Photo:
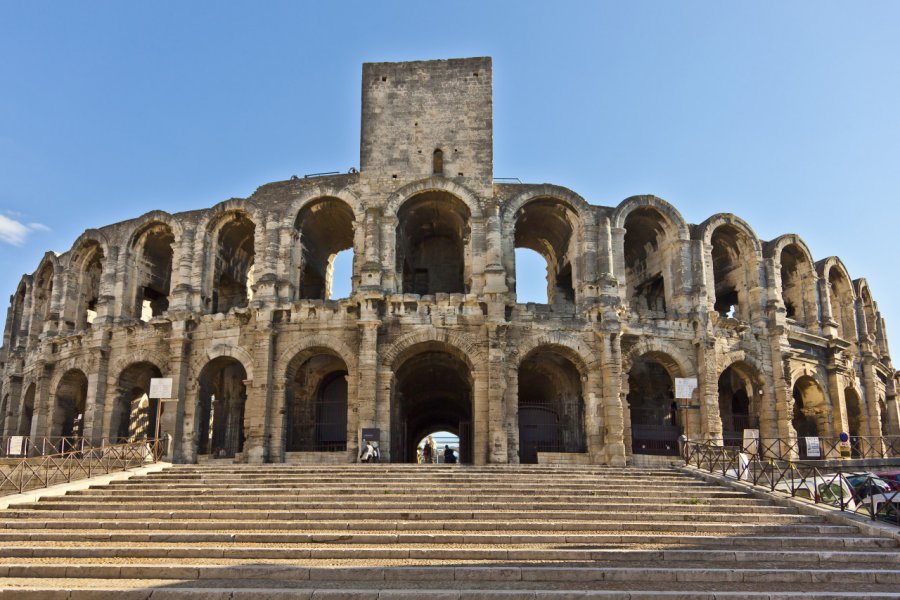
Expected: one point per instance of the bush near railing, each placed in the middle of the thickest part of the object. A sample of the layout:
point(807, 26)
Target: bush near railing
point(76, 461)
point(812, 482)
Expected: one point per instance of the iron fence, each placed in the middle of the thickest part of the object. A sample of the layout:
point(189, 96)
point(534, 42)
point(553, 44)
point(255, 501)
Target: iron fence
point(846, 489)
point(74, 462)
point(809, 448)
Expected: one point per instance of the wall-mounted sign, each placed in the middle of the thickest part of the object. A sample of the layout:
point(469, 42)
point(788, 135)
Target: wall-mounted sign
point(160, 387)
point(684, 387)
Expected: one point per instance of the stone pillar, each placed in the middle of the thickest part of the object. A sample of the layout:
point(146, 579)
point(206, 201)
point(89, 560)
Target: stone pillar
point(829, 325)
point(869, 412)
point(369, 393)
point(370, 272)
point(612, 402)
point(497, 453)
point(389, 280)
point(494, 273)
point(182, 296)
point(708, 393)
point(259, 390)
point(511, 400)
point(480, 415)
point(775, 422)
point(588, 261)
point(42, 420)
point(836, 408)
point(8, 422)
point(94, 427)
point(173, 413)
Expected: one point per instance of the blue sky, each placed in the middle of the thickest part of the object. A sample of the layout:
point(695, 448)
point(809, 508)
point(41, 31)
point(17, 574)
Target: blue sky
point(783, 113)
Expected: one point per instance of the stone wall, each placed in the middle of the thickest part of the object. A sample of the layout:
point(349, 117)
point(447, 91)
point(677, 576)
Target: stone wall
point(234, 304)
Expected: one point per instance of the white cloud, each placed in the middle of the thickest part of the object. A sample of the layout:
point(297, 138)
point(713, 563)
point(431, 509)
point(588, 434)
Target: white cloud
point(14, 233)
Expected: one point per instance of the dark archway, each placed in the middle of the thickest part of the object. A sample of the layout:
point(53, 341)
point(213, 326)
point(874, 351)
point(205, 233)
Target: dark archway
point(855, 416)
point(432, 392)
point(90, 271)
point(738, 408)
point(316, 404)
point(648, 236)
point(797, 287)
point(810, 416)
point(134, 413)
point(41, 295)
point(220, 413)
point(551, 406)
point(324, 228)
point(233, 263)
point(71, 402)
point(24, 425)
point(548, 226)
point(432, 234)
point(153, 271)
point(655, 422)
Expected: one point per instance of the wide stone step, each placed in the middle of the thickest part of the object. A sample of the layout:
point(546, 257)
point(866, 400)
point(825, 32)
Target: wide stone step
point(409, 515)
point(393, 506)
point(469, 574)
point(225, 590)
point(380, 538)
point(713, 556)
point(95, 495)
point(556, 525)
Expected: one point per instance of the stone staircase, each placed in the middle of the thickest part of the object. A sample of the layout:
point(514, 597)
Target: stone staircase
point(380, 532)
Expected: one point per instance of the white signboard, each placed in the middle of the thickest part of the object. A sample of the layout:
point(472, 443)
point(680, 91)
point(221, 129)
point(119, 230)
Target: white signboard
point(812, 447)
point(751, 441)
point(160, 388)
point(684, 387)
point(16, 445)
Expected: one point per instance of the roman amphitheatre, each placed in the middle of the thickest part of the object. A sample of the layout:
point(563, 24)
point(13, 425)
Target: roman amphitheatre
point(660, 342)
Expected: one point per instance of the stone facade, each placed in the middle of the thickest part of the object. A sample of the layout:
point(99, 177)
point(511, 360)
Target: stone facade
point(232, 303)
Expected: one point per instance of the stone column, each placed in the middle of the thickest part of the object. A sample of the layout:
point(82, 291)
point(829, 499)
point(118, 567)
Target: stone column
point(369, 393)
point(370, 271)
point(511, 399)
point(8, 424)
point(611, 403)
point(182, 296)
point(259, 390)
point(494, 273)
point(480, 415)
point(869, 412)
point(836, 406)
point(94, 427)
point(42, 420)
point(497, 453)
point(173, 413)
point(389, 254)
point(708, 393)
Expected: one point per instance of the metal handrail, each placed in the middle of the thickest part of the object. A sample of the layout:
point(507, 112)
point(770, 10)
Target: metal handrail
point(796, 449)
point(820, 485)
point(74, 463)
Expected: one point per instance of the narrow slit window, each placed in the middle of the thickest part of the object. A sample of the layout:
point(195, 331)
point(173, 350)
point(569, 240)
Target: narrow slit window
point(437, 162)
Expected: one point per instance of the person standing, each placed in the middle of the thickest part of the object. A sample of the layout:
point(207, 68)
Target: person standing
point(433, 452)
point(426, 453)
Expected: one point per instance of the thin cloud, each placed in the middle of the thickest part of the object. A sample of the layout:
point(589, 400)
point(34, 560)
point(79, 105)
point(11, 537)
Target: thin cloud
point(15, 233)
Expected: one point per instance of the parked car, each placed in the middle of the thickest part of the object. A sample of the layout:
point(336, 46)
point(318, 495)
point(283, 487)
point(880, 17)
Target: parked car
point(865, 483)
point(892, 478)
point(827, 489)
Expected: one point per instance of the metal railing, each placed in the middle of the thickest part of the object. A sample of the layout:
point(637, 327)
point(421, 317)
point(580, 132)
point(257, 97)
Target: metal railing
point(828, 448)
point(74, 463)
point(842, 488)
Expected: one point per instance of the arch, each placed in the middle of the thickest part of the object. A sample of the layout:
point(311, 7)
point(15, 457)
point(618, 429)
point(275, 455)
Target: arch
point(148, 220)
point(734, 255)
point(634, 202)
point(665, 353)
point(42, 292)
point(26, 413)
point(141, 355)
point(564, 196)
point(432, 244)
point(432, 389)
point(649, 248)
point(840, 294)
point(224, 350)
point(317, 192)
point(322, 228)
point(18, 319)
point(433, 184)
point(316, 402)
point(565, 344)
point(452, 342)
point(810, 410)
point(70, 404)
point(651, 411)
point(552, 228)
point(230, 256)
point(220, 411)
point(868, 308)
point(133, 414)
point(551, 402)
point(739, 385)
point(86, 268)
point(316, 344)
point(153, 248)
point(797, 282)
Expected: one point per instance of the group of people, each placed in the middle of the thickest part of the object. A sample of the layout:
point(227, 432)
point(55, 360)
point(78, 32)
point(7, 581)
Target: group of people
point(429, 454)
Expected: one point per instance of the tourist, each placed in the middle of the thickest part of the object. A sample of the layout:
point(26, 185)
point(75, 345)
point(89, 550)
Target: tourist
point(449, 455)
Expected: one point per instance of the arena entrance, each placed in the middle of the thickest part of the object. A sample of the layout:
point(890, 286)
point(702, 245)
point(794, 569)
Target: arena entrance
point(432, 393)
point(655, 421)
